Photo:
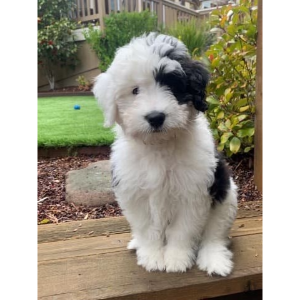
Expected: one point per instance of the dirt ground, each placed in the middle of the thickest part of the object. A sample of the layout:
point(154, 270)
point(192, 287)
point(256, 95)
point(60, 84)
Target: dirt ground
point(53, 208)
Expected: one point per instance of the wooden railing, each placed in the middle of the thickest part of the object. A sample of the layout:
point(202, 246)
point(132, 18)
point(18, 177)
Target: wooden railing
point(167, 12)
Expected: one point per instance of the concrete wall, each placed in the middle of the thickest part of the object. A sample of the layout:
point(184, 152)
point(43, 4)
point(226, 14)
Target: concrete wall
point(87, 67)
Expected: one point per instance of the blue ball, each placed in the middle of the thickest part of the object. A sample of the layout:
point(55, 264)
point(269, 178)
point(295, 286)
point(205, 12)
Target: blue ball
point(76, 106)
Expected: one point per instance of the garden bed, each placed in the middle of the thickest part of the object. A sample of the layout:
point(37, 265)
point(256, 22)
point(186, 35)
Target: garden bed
point(65, 91)
point(53, 207)
point(53, 152)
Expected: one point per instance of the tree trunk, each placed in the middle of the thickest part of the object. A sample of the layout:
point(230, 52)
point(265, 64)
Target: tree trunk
point(51, 81)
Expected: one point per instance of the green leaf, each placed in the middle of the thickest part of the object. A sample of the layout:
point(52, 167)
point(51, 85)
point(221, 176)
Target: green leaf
point(236, 127)
point(242, 117)
point(225, 137)
point(222, 127)
point(235, 19)
point(247, 149)
point(234, 120)
point(228, 152)
point(228, 124)
point(234, 145)
point(228, 96)
point(220, 147)
point(241, 102)
point(215, 62)
point(220, 115)
point(212, 100)
point(247, 124)
point(215, 133)
point(227, 91)
point(245, 132)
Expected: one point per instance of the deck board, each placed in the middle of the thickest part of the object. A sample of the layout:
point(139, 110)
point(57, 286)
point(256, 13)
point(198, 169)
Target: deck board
point(90, 228)
point(85, 267)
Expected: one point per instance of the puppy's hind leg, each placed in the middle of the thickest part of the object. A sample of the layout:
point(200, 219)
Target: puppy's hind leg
point(214, 255)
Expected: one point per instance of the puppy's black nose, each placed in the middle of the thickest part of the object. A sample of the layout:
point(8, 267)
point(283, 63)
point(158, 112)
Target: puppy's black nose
point(155, 118)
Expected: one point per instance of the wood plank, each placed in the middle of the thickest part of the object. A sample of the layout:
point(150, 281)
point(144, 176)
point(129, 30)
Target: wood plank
point(82, 8)
point(242, 227)
point(125, 5)
point(160, 13)
point(89, 8)
point(179, 8)
point(100, 227)
point(140, 5)
point(102, 13)
point(258, 138)
point(250, 295)
point(109, 7)
point(115, 275)
point(118, 242)
point(244, 212)
point(83, 247)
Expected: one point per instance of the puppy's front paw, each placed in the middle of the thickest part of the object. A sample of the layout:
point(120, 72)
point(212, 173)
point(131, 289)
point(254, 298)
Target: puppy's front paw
point(215, 260)
point(151, 258)
point(133, 244)
point(178, 259)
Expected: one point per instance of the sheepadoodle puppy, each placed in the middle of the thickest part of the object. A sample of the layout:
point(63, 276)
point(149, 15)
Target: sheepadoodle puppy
point(172, 185)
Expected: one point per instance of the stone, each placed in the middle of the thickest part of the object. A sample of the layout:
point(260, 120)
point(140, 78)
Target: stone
point(90, 186)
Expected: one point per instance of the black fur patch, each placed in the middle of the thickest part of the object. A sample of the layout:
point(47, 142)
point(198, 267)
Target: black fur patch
point(187, 87)
point(219, 189)
point(175, 80)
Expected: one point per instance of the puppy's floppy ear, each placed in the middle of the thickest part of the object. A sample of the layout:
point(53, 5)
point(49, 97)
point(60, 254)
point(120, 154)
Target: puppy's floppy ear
point(106, 98)
point(197, 80)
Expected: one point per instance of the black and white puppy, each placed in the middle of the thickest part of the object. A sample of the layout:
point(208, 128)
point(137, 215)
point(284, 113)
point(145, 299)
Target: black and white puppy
point(173, 187)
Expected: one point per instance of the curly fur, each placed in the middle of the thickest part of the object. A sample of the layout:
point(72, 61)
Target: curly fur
point(173, 189)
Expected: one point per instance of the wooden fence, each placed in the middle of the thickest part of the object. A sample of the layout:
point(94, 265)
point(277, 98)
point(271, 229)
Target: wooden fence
point(167, 12)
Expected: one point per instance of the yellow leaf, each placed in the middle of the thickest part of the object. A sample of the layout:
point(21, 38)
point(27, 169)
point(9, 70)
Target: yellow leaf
point(220, 115)
point(45, 221)
point(235, 145)
point(228, 124)
point(244, 108)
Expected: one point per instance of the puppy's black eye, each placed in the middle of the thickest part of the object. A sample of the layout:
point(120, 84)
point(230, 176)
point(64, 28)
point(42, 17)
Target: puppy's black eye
point(135, 91)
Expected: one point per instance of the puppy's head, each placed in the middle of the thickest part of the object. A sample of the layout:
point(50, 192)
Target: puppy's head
point(152, 88)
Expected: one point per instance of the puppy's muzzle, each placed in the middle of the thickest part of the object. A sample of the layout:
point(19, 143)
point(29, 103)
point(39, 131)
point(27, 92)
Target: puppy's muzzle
point(155, 119)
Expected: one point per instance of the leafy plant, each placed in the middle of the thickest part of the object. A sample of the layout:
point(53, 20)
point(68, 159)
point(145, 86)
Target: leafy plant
point(119, 29)
point(83, 83)
point(194, 35)
point(56, 45)
point(231, 92)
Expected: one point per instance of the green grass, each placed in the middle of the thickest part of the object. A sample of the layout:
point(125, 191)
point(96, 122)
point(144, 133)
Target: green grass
point(60, 125)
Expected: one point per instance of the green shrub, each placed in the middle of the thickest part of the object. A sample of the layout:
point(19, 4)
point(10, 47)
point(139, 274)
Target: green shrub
point(231, 92)
point(83, 83)
point(194, 35)
point(119, 29)
point(56, 45)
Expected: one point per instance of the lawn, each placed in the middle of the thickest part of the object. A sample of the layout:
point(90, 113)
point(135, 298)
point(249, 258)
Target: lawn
point(59, 124)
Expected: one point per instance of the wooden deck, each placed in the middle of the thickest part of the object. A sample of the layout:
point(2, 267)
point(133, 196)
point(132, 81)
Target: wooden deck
point(87, 260)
